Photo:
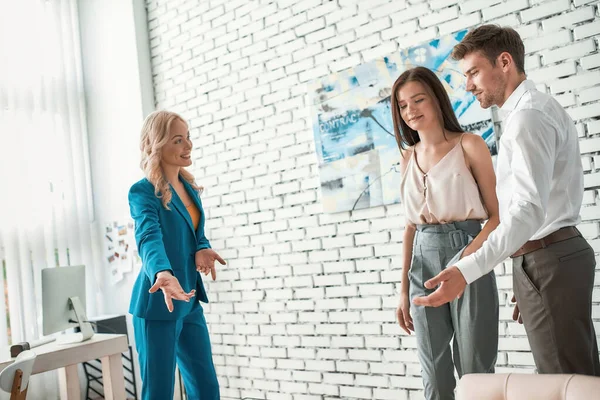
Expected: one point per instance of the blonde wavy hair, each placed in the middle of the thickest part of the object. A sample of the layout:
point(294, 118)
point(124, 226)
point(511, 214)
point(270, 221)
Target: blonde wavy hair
point(155, 134)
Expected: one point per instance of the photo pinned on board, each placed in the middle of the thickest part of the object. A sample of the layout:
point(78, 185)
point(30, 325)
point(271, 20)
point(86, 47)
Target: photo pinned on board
point(120, 249)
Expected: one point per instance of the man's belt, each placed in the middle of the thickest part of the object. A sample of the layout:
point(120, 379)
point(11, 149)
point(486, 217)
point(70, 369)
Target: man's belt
point(565, 233)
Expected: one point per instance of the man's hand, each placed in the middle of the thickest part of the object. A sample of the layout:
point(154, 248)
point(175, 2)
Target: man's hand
point(516, 313)
point(451, 283)
point(205, 262)
point(171, 289)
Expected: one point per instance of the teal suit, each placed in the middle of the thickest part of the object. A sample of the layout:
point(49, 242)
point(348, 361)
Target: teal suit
point(166, 240)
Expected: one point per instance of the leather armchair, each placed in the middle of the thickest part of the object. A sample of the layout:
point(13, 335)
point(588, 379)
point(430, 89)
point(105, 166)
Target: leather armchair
point(528, 387)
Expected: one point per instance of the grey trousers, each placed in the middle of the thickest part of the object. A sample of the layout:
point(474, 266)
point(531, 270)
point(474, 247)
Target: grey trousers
point(471, 320)
point(553, 287)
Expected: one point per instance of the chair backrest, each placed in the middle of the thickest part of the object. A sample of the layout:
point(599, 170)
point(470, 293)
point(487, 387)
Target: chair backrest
point(527, 387)
point(24, 362)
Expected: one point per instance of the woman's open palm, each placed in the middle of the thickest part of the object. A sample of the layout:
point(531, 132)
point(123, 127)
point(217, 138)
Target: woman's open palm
point(171, 289)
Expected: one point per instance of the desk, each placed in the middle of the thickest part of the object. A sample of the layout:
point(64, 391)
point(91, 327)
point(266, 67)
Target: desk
point(65, 358)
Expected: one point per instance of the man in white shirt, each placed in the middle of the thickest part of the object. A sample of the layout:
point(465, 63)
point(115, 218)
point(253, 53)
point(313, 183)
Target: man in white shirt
point(540, 189)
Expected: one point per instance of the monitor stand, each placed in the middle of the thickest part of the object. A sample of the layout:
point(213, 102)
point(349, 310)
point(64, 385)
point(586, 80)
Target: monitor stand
point(84, 326)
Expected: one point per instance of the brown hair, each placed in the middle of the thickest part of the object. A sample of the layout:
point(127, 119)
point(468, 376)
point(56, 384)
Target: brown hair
point(491, 41)
point(405, 135)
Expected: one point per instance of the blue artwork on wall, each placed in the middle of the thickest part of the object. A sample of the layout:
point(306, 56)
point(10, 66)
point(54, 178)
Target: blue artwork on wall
point(352, 124)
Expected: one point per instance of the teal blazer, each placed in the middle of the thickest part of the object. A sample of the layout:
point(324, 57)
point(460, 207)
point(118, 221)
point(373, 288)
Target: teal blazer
point(166, 240)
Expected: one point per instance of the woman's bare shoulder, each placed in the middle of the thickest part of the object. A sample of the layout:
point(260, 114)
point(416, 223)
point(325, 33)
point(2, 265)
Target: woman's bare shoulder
point(473, 143)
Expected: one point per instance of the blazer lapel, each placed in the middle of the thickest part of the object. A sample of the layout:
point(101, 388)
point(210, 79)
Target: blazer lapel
point(180, 207)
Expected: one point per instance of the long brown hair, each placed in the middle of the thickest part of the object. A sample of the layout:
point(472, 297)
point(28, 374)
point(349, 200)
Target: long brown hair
point(405, 135)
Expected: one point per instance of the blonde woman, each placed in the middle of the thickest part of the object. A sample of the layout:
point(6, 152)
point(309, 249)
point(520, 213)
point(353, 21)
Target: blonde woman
point(169, 231)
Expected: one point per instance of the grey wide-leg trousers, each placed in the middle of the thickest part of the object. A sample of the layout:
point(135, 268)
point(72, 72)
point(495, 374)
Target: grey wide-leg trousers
point(472, 320)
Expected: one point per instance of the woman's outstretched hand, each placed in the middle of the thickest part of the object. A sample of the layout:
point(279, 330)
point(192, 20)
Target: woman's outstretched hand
point(205, 262)
point(171, 289)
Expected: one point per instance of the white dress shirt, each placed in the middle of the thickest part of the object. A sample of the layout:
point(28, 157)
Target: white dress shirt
point(539, 177)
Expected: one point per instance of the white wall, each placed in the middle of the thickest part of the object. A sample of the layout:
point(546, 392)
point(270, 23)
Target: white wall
point(305, 308)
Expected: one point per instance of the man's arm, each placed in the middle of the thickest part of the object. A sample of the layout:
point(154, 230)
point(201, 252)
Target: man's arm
point(533, 145)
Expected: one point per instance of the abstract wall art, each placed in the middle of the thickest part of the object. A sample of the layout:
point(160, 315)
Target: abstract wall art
point(352, 124)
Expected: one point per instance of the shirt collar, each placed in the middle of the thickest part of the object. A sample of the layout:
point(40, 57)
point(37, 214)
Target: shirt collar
point(511, 103)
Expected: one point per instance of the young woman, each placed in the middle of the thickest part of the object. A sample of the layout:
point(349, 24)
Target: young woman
point(448, 189)
point(169, 231)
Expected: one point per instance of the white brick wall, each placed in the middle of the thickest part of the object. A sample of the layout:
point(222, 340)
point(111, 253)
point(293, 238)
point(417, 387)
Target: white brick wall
point(305, 307)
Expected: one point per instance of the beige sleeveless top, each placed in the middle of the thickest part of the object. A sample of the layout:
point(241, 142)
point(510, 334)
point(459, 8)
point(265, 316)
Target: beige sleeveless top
point(446, 193)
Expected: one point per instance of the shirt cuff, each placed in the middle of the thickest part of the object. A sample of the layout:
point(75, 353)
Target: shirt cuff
point(469, 268)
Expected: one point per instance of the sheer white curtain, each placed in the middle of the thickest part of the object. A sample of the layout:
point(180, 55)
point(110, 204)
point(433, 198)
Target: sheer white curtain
point(46, 206)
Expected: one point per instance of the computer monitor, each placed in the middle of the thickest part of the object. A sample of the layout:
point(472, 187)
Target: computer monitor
point(63, 303)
